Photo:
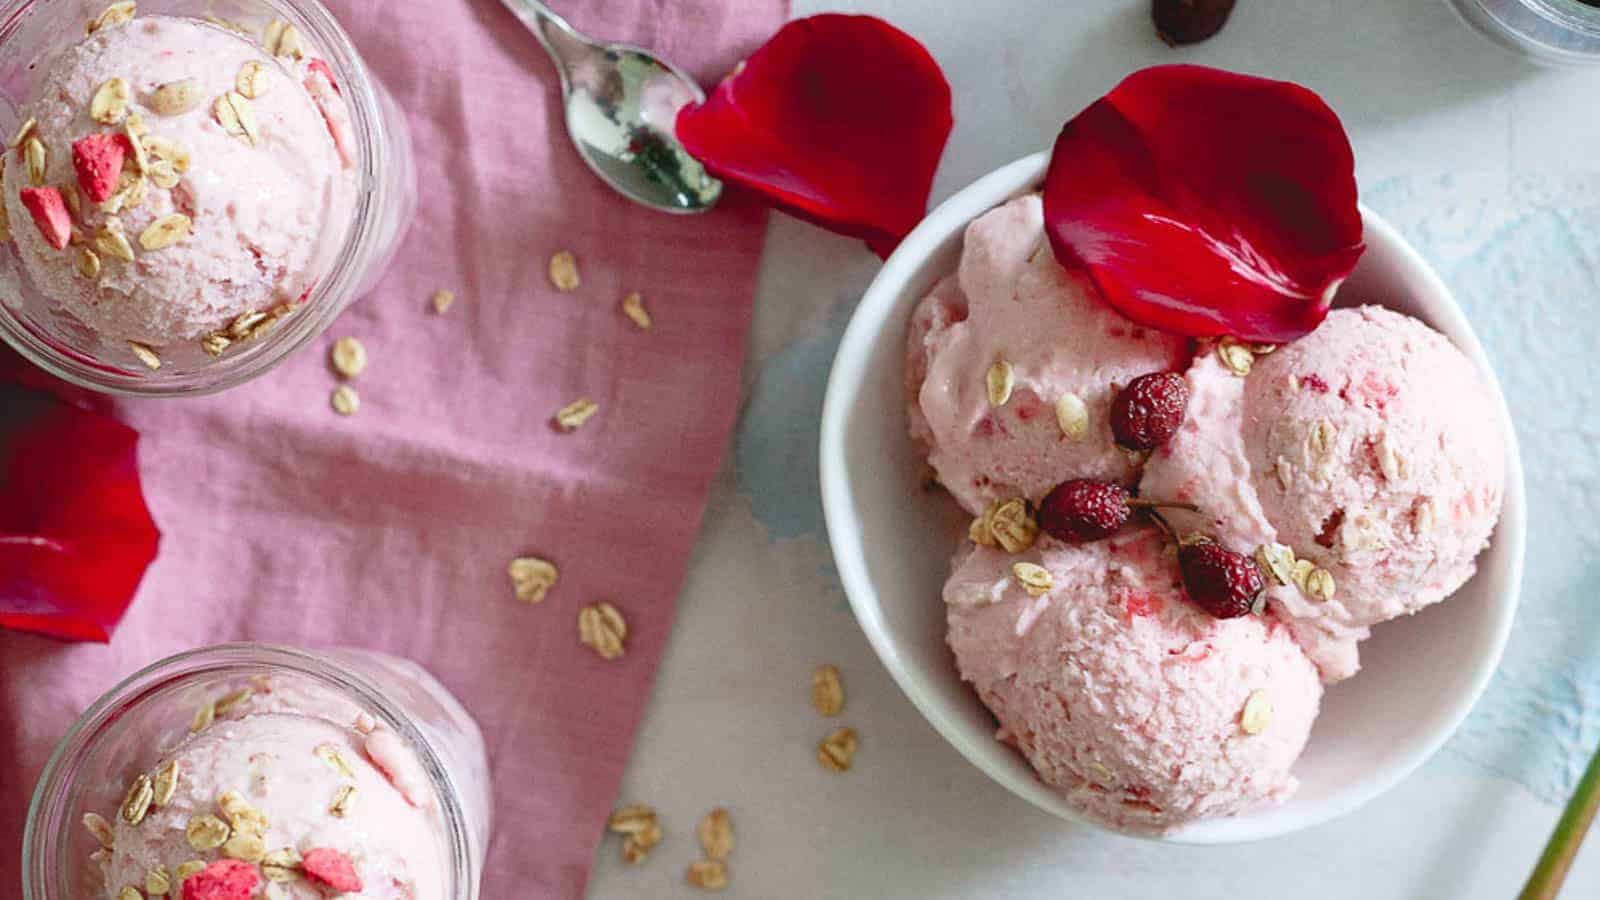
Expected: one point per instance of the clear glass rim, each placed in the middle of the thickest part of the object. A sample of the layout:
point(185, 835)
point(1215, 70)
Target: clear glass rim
point(1572, 14)
point(49, 821)
point(330, 294)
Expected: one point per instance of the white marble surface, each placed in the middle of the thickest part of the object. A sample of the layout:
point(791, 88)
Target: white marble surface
point(1471, 152)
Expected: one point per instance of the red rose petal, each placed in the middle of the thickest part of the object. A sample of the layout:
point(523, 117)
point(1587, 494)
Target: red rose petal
point(225, 879)
point(98, 161)
point(1207, 203)
point(75, 534)
point(49, 211)
point(839, 120)
point(331, 867)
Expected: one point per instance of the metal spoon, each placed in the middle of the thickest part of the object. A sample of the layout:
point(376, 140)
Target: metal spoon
point(621, 105)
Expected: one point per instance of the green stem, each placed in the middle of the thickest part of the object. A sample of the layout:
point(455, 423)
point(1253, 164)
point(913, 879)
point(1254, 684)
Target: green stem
point(1545, 882)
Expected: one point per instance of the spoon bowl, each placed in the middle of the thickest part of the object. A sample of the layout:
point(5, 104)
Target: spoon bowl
point(621, 104)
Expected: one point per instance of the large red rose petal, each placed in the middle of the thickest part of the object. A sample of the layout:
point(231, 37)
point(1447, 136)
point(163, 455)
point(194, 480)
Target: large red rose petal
point(75, 534)
point(839, 120)
point(1207, 203)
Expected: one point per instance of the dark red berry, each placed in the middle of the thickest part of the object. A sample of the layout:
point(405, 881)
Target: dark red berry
point(1189, 21)
point(1084, 510)
point(1221, 582)
point(1147, 413)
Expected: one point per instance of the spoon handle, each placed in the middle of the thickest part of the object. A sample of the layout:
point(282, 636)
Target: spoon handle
point(560, 39)
point(1545, 882)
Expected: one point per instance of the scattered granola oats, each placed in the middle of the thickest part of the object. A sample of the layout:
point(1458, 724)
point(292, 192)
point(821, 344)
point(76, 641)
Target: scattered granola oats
point(175, 97)
point(1321, 439)
point(602, 629)
point(633, 308)
point(979, 531)
point(343, 799)
point(203, 717)
point(637, 846)
point(206, 832)
point(129, 893)
point(134, 126)
point(1072, 416)
point(192, 867)
point(251, 82)
point(532, 578)
point(247, 844)
point(97, 825)
point(1319, 585)
point(149, 357)
point(236, 116)
point(349, 357)
point(165, 784)
point(215, 344)
point(1000, 381)
point(443, 300)
point(157, 882)
point(716, 834)
point(231, 699)
point(1302, 571)
point(564, 271)
point(1285, 472)
point(24, 132)
point(1034, 578)
point(827, 690)
point(572, 416)
point(287, 857)
point(837, 751)
point(1257, 712)
point(330, 754)
point(109, 105)
point(345, 400)
point(631, 819)
point(88, 263)
point(244, 323)
point(161, 149)
point(115, 14)
point(1236, 357)
point(35, 155)
point(240, 813)
point(165, 231)
point(73, 200)
point(1276, 562)
point(283, 39)
point(163, 174)
point(1012, 525)
point(707, 874)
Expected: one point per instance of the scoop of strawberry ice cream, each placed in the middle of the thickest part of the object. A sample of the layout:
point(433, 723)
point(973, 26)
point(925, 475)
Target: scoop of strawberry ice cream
point(294, 768)
point(1145, 712)
point(1010, 302)
point(262, 208)
point(1367, 448)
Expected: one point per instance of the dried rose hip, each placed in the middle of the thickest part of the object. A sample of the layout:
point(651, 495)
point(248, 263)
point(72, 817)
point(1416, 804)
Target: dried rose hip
point(1084, 510)
point(98, 161)
point(1189, 21)
point(332, 868)
point(1207, 203)
point(1148, 412)
point(1223, 583)
point(839, 120)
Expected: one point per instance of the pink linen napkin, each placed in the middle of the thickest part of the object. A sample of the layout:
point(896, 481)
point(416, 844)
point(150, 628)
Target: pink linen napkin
point(285, 522)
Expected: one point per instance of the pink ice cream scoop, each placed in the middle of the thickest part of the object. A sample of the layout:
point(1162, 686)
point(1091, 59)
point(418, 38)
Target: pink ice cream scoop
point(234, 199)
point(1145, 712)
point(1013, 320)
point(286, 781)
point(1364, 449)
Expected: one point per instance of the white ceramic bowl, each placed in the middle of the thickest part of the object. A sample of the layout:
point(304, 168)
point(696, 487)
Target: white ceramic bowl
point(892, 540)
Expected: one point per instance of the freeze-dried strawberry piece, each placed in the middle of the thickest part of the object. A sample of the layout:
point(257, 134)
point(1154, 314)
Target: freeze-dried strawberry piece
point(225, 879)
point(50, 216)
point(331, 867)
point(98, 161)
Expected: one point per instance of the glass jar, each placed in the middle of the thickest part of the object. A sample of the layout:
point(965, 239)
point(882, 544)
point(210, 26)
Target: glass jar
point(354, 247)
point(129, 729)
point(1557, 32)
